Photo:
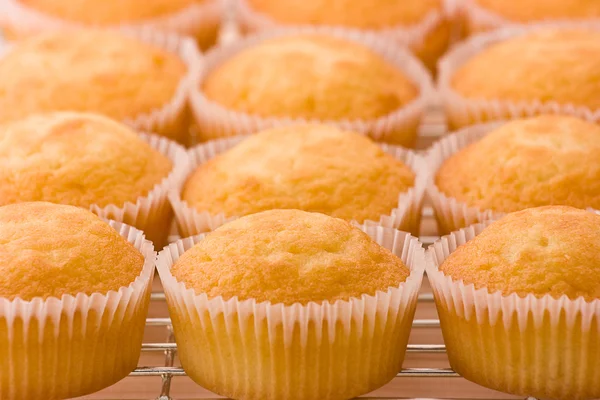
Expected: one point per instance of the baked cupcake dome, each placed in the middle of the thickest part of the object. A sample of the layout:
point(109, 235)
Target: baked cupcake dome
point(81, 159)
point(530, 278)
point(73, 299)
point(340, 77)
point(316, 168)
point(400, 19)
point(490, 14)
point(334, 274)
point(545, 160)
point(541, 78)
point(26, 17)
point(100, 71)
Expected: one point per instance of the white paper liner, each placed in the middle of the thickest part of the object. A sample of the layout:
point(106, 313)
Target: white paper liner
point(450, 213)
point(398, 127)
point(245, 349)
point(406, 216)
point(413, 36)
point(462, 111)
point(152, 213)
point(529, 346)
point(171, 119)
point(67, 347)
point(200, 21)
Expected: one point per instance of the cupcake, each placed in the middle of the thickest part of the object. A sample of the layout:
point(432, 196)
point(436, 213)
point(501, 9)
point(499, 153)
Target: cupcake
point(488, 170)
point(358, 81)
point(423, 25)
point(141, 82)
point(518, 302)
point(90, 161)
point(316, 168)
point(196, 18)
point(286, 304)
point(552, 70)
point(74, 293)
point(483, 15)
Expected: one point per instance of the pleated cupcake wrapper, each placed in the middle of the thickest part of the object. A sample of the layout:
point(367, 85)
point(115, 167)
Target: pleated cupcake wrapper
point(399, 127)
point(528, 346)
point(462, 111)
point(171, 119)
point(250, 350)
point(406, 216)
point(409, 35)
point(450, 213)
point(152, 213)
point(199, 21)
point(67, 347)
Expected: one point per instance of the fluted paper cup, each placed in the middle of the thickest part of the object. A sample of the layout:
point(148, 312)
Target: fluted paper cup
point(398, 127)
point(250, 350)
point(463, 111)
point(528, 346)
point(152, 213)
point(405, 216)
point(62, 348)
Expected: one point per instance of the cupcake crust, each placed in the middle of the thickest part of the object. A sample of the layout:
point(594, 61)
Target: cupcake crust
point(289, 256)
point(78, 159)
point(316, 168)
point(545, 250)
point(553, 64)
point(318, 77)
point(362, 14)
point(546, 160)
point(51, 250)
point(92, 70)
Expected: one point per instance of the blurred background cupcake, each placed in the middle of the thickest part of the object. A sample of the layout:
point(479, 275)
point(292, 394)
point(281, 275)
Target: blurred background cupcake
point(425, 26)
point(358, 81)
point(523, 71)
point(74, 294)
point(141, 79)
point(315, 168)
point(484, 15)
point(90, 161)
point(488, 170)
point(199, 19)
point(286, 304)
point(519, 302)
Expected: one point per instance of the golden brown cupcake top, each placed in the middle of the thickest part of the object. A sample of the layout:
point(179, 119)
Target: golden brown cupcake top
point(363, 14)
point(107, 12)
point(309, 76)
point(289, 256)
point(50, 250)
point(553, 64)
point(91, 70)
point(546, 250)
point(534, 10)
point(548, 160)
point(315, 168)
point(76, 158)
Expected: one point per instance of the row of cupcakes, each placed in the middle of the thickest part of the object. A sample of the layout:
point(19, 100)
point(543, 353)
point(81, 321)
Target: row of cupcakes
point(297, 305)
point(357, 81)
point(91, 161)
point(428, 27)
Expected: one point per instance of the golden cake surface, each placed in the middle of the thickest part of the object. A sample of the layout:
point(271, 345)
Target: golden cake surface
point(90, 70)
point(289, 256)
point(550, 65)
point(546, 160)
point(78, 159)
point(50, 250)
point(534, 10)
point(309, 76)
point(315, 168)
point(545, 250)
